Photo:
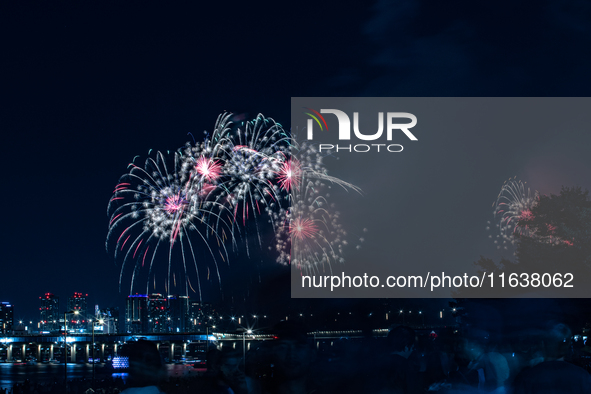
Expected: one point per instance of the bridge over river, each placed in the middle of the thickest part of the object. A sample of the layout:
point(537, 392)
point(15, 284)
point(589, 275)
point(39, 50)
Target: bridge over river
point(172, 345)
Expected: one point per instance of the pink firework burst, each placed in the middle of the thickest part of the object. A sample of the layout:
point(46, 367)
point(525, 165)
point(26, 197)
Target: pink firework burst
point(303, 228)
point(174, 203)
point(290, 174)
point(526, 214)
point(208, 168)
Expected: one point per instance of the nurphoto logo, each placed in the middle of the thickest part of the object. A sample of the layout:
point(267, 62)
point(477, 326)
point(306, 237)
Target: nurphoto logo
point(344, 130)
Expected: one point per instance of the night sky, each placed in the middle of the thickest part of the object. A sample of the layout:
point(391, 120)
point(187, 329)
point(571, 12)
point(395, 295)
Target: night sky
point(87, 87)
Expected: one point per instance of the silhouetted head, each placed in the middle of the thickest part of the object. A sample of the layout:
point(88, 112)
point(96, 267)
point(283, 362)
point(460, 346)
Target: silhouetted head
point(145, 363)
point(229, 364)
point(293, 355)
point(475, 343)
point(557, 341)
point(402, 340)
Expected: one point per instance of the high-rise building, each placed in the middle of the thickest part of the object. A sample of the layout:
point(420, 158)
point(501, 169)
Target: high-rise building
point(202, 315)
point(178, 314)
point(158, 313)
point(77, 303)
point(208, 310)
point(6, 317)
point(110, 320)
point(50, 312)
point(195, 317)
point(136, 314)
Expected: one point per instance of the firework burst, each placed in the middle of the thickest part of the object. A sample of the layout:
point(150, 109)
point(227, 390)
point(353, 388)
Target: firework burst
point(309, 235)
point(208, 191)
point(303, 228)
point(237, 165)
point(152, 208)
point(252, 158)
point(513, 204)
point(290, 174)
point(208, 169)
point(308, 231)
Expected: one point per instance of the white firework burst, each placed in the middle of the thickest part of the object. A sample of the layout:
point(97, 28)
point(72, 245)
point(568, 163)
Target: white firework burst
point(514, 203)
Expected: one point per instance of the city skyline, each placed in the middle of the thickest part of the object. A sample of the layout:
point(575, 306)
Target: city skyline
point(167, 311)
point(495, 315)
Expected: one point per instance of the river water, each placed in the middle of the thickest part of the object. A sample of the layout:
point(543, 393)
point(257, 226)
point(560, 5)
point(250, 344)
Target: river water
point(43, 373)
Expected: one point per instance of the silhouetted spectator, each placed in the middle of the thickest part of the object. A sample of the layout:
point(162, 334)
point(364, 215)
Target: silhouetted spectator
point(145, 367)
point(488, 369)
point(224, 375)
point(403, 372)
point(554, 375)
point(292, 357)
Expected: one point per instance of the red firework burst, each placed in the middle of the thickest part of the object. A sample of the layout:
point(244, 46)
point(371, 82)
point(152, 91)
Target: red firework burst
point(290, 174)
point(303, 228)
point(174, 203)
point(526, 214)
point(208, 168)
